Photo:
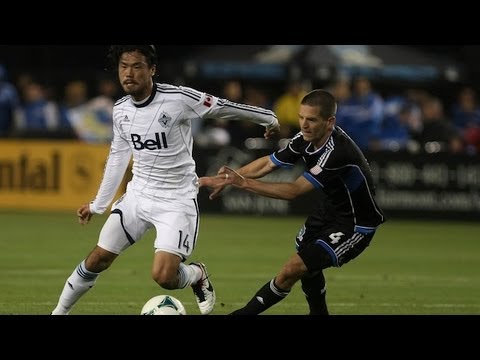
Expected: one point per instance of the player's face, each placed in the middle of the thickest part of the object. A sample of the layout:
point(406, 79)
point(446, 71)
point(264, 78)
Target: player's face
point(315, 129)
point(135, 75)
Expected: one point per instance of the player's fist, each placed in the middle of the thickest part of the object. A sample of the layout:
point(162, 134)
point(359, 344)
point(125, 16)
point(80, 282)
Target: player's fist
point(84, 214)
point(272, 131)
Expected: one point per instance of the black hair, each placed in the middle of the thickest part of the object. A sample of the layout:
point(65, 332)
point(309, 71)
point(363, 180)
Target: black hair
point(116, 51)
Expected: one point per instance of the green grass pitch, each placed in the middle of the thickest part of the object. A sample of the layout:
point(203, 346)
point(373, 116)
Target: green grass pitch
point(411, 267)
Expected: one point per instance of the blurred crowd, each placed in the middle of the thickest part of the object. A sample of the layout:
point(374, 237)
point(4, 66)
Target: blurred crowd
point(413, 120)
point(30, 109)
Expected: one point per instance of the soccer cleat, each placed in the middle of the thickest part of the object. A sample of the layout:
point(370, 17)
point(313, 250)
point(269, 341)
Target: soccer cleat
point(203, 291)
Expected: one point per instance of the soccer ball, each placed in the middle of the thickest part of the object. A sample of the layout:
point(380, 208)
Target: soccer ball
point(163, 305)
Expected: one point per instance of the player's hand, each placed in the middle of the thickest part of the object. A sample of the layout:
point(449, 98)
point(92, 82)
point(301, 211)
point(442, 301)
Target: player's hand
point(84, 214)
point(271, 132)
point(225, 176)
point(230, 176)
point(217, 183)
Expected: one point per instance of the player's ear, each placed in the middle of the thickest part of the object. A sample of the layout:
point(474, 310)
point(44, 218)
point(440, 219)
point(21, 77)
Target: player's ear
point(331, 122)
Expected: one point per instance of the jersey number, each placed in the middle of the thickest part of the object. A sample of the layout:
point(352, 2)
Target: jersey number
point(335, 237)
point(183, 241)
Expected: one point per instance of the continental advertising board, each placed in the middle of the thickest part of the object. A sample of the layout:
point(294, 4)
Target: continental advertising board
point(49, 175)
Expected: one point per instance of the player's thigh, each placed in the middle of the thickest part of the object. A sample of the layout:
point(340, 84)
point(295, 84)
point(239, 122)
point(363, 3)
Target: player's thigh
point(123, 227)
point(177, 224)
point(334, 246)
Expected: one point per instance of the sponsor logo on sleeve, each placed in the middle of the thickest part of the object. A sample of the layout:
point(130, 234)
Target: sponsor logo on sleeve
point(208, 101)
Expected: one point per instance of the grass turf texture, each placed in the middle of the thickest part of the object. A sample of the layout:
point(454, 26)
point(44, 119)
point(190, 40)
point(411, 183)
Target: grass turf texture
point(411, 267)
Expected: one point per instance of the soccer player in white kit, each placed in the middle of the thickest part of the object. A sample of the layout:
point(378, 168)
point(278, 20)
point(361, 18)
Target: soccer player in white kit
point(152, 123)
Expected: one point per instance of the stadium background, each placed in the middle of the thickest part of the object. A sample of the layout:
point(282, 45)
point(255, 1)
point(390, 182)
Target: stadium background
point(426, 261)
point(440, 185)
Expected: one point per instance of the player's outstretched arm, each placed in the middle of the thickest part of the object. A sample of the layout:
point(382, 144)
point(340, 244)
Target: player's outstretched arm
point(275, 190)
point(256, 169)
point(226, 176)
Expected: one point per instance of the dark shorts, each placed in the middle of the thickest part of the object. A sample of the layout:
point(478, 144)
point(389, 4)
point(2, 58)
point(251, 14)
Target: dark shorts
point(333, 245)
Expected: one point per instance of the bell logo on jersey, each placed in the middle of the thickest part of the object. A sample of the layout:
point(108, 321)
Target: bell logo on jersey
point(150, 144)
point(208, 101)
point(164, 119)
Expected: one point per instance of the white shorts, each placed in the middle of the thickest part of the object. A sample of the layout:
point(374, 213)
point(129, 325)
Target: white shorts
point(176, 223)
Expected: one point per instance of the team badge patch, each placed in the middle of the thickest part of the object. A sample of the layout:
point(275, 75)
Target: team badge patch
point(164, 119)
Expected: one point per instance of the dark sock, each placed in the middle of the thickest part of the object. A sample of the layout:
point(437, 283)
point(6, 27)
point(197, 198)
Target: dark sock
point(315, 292)
point(266, 297)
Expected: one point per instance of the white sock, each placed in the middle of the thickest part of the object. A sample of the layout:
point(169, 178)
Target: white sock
point(75, 287)
point(188, 275)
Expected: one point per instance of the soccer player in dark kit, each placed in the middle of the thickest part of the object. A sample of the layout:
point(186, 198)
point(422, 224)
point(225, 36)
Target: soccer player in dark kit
point(344, 222)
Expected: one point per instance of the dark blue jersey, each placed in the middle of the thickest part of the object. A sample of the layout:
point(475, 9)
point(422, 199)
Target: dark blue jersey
point(342, 172)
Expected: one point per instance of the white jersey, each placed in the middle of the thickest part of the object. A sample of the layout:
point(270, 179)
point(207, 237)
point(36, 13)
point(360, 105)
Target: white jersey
point(157, 132)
